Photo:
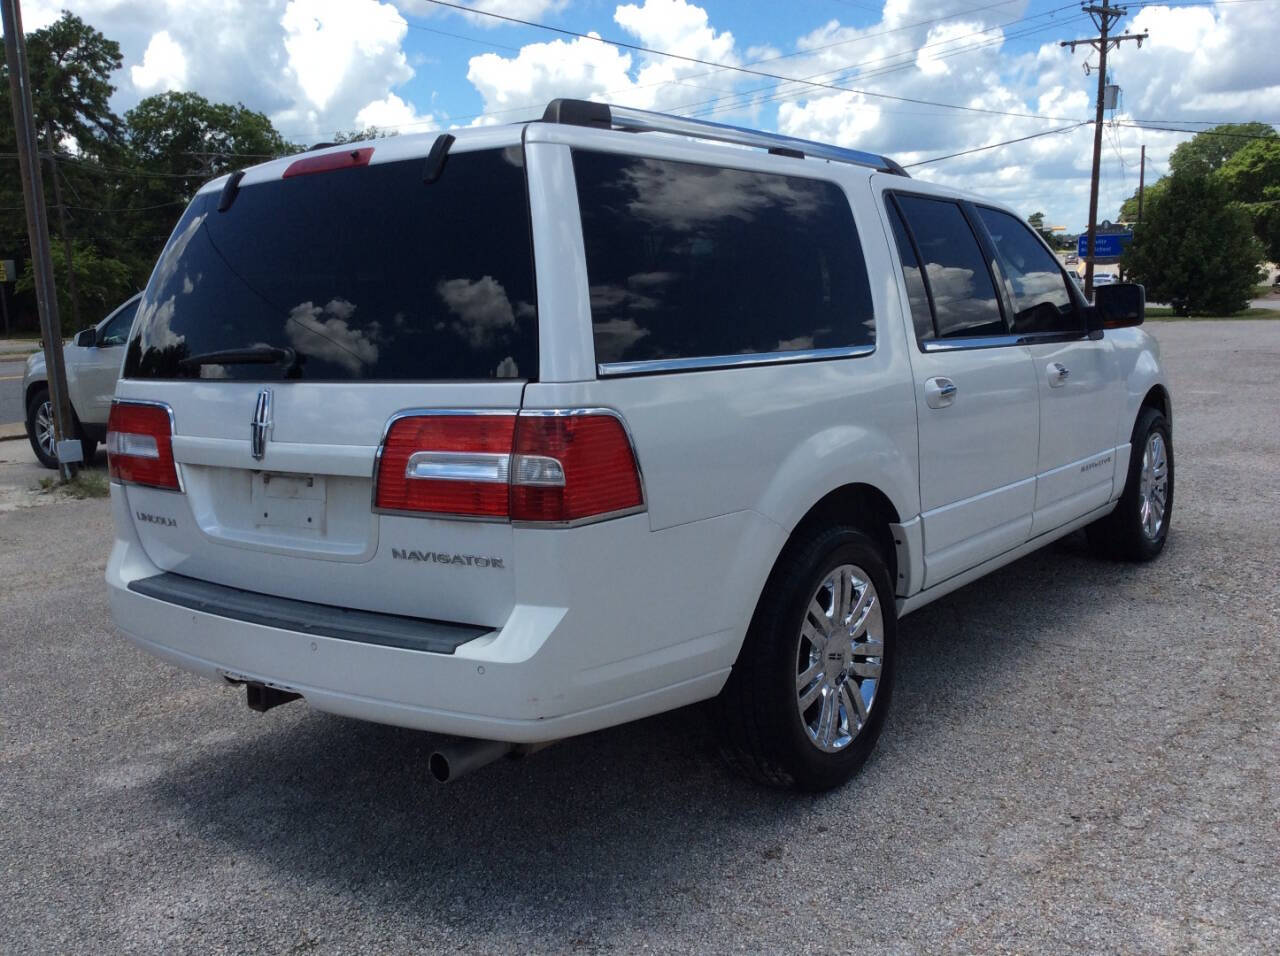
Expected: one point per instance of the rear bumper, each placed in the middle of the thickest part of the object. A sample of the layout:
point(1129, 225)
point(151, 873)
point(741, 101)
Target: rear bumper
point(594, 659)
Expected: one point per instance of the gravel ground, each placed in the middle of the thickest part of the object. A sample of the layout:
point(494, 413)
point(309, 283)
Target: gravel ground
point(1081, 756)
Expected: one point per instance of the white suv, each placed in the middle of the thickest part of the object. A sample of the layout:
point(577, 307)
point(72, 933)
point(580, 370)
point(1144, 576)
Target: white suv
point(547, 427)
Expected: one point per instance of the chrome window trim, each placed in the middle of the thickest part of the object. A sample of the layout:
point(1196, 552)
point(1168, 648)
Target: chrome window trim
point(998, 341)
point(173, 431)
point(702, 363)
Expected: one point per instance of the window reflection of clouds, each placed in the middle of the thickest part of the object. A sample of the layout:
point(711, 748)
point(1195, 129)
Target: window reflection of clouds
point(156, 312)
point(955, 298)
point(484, 313)
point(684, 196)
point(324, 332)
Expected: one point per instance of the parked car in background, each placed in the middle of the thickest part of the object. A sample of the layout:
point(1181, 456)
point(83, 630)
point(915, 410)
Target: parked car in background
point(519, 432)
point(1103, 278)
point(93, 361)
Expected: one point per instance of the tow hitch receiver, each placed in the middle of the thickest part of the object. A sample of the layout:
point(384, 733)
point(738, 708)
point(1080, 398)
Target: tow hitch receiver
point(262, 698)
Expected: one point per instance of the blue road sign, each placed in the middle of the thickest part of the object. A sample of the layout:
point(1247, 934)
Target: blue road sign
point(1108, 245)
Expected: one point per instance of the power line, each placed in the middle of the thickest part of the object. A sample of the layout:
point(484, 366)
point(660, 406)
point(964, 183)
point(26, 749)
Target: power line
point(1007, 142)
point(622, 44)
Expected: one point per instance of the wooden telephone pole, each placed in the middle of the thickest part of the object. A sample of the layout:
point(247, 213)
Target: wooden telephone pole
point(1104, 17)
point(15, 48)
point(1142, 179)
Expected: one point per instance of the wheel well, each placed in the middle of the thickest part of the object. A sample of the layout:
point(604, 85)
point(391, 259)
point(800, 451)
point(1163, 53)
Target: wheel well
point(863, 506)
point(31, 390)
point(1158, 398)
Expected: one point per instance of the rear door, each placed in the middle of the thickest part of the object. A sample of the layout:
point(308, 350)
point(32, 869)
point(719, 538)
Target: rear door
point(287, 323)
point(1077, 377)
point(976, 391)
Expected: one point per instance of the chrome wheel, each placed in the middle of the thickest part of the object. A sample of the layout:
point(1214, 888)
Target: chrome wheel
point(1153, 486)
point(42, 425)
point(839, 656)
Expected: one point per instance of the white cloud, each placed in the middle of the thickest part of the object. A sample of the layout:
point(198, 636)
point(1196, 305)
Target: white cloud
point(589, 69)
point(163, 66)
point(392, 113)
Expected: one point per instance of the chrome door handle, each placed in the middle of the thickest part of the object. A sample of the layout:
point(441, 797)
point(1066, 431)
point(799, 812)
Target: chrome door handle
point(940, 392)
point(1057, 374)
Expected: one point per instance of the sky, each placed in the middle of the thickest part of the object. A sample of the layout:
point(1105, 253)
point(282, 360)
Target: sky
point(989, 72)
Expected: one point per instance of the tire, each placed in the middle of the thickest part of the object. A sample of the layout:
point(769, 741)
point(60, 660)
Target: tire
point(762, 723)
point(40, 427)
point(40, 431)
point(1139, 527)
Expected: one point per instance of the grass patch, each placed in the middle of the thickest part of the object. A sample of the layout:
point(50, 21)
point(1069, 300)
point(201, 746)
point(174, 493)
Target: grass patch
point(88, 483)
point(1163, 312)
point(1262, 291)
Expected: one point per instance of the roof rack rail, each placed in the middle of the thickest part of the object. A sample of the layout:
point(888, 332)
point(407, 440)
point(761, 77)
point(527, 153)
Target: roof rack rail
point(604, 116)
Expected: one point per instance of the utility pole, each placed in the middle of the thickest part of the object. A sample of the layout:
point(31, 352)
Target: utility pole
point(62, 226)
point(1104, 17)
point(1142, 178)
point(15, 48)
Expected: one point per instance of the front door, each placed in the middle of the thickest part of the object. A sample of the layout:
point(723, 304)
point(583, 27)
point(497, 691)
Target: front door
point(976, 392)
point(1078, 379)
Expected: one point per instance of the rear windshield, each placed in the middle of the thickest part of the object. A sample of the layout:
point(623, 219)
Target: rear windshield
point(363, 273)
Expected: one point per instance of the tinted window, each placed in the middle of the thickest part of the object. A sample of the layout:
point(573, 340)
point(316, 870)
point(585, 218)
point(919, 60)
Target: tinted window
point(687, 260)
point(917, 296)
point(364, 273)
point(964, 297)
point(116, 332)
point(1032, 276)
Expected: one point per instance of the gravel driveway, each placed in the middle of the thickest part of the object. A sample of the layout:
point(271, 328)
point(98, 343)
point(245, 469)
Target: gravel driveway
point(1081, 755)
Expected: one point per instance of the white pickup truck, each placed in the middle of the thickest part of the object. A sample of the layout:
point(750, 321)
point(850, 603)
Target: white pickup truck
point(520, 432)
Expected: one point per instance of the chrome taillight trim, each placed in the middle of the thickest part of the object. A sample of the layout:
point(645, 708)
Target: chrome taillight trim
point(484, 467)
point(382, 444)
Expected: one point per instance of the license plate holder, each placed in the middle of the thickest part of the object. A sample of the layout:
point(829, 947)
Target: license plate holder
point(292, 501)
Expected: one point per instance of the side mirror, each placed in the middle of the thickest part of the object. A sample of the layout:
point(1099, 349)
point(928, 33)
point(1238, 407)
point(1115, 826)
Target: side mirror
point(1121, 305)
point(87, 338)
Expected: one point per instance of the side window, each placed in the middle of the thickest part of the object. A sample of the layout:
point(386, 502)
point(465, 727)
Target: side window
point(692, 261)
point(917, 295)
point(964, 297)
point(1036, 284)
point(116, 332)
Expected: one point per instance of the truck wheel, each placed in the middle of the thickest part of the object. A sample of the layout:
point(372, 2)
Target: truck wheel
point(1139, 527)
point(40, 428)
point(41, 435)
point(808, 695)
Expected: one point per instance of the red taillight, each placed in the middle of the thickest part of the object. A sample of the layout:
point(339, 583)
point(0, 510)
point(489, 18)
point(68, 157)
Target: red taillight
point(327, 162)
point(446, 464)
point(570, 467)
point(140, 445)
point(558, 468)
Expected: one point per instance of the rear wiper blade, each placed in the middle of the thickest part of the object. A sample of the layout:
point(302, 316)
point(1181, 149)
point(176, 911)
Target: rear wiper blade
point(256, 355)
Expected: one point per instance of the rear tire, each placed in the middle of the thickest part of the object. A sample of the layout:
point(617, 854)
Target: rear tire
point(808, 695)
point(1139, 526)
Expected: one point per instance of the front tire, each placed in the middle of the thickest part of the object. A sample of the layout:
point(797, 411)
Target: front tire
point(1139, 526)
point(40, 428)
point(808, 695)
point(40, 431)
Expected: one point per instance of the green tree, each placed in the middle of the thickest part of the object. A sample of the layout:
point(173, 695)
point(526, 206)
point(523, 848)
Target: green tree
point(71, 65)
point(1252, 177)
point(1195, 249)
point(176, 143)
point(101, 283)
point(1210, 149)
point(359, 135)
